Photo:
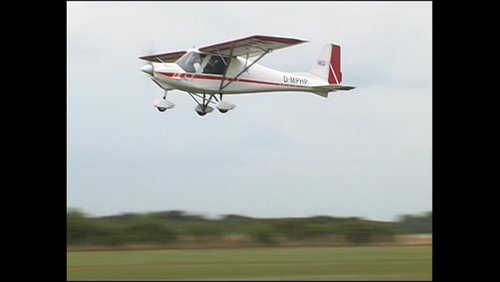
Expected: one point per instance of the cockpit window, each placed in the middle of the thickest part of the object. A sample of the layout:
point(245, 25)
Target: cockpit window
point(191, 62)
point(216, 65)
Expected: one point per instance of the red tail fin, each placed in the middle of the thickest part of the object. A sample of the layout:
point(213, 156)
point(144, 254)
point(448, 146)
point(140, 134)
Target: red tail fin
point(335, 75)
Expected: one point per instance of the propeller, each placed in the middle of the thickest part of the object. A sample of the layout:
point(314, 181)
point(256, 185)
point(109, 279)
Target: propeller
point(148, 67)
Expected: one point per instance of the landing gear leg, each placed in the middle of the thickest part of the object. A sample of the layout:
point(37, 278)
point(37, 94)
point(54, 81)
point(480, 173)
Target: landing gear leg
point(203, 108)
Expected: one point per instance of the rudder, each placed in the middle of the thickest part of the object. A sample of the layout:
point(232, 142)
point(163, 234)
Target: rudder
point(328, 64)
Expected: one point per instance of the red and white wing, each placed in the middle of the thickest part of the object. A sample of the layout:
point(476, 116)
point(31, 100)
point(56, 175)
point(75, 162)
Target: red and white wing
point(251, 46)
point(169, 57)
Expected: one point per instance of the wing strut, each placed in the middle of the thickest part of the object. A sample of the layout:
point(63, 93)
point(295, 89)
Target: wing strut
point(225, 69)
point(241, 72)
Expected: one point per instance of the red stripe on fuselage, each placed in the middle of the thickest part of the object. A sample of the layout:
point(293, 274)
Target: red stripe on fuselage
point(207, 77)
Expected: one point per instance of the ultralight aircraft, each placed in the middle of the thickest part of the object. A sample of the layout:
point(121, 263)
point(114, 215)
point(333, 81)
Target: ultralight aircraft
point(209, 73)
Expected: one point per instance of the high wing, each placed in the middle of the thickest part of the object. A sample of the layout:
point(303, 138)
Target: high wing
point(169, 57)
point(251, 46)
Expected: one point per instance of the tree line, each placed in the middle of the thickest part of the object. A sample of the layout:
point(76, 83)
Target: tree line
point(170, 227)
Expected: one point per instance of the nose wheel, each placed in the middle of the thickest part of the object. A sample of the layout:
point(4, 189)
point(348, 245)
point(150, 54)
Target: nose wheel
point(163, 104)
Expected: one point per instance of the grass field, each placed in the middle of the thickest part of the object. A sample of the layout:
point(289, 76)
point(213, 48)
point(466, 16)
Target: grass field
point(311, 263)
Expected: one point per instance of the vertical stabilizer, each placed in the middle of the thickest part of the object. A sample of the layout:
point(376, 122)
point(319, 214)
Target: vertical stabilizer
point(328, 64)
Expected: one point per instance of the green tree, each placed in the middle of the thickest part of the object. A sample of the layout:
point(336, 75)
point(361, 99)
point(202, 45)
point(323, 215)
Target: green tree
point(416, 223)
point(78, 228)
point(263, 233)
point(204, 230)
point(144, 229)
point(290, 228)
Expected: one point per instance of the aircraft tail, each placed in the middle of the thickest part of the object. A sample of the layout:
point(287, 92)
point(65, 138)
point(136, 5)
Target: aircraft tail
point(328, 64)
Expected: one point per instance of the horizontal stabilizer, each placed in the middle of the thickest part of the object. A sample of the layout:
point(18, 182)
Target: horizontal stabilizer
point(323, 90)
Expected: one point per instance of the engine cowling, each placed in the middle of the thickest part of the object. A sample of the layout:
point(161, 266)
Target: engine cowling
point(147, 68)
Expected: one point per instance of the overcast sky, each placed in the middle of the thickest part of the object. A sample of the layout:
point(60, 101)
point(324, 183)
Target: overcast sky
point(365, 153)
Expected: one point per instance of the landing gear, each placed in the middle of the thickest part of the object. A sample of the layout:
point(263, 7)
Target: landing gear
point(203, 102)
point(202, 108)
point(203, 111)
point(163, 104)
point(224, 106)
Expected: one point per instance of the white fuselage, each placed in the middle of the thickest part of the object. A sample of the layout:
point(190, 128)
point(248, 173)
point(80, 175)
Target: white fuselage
point(255, 79)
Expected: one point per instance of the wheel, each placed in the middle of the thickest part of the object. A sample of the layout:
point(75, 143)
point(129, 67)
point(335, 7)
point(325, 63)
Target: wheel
point(203, 110)
point(224, 106)
point(163, 105)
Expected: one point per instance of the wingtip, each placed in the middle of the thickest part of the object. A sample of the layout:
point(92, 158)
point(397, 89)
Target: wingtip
point(286, 38)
